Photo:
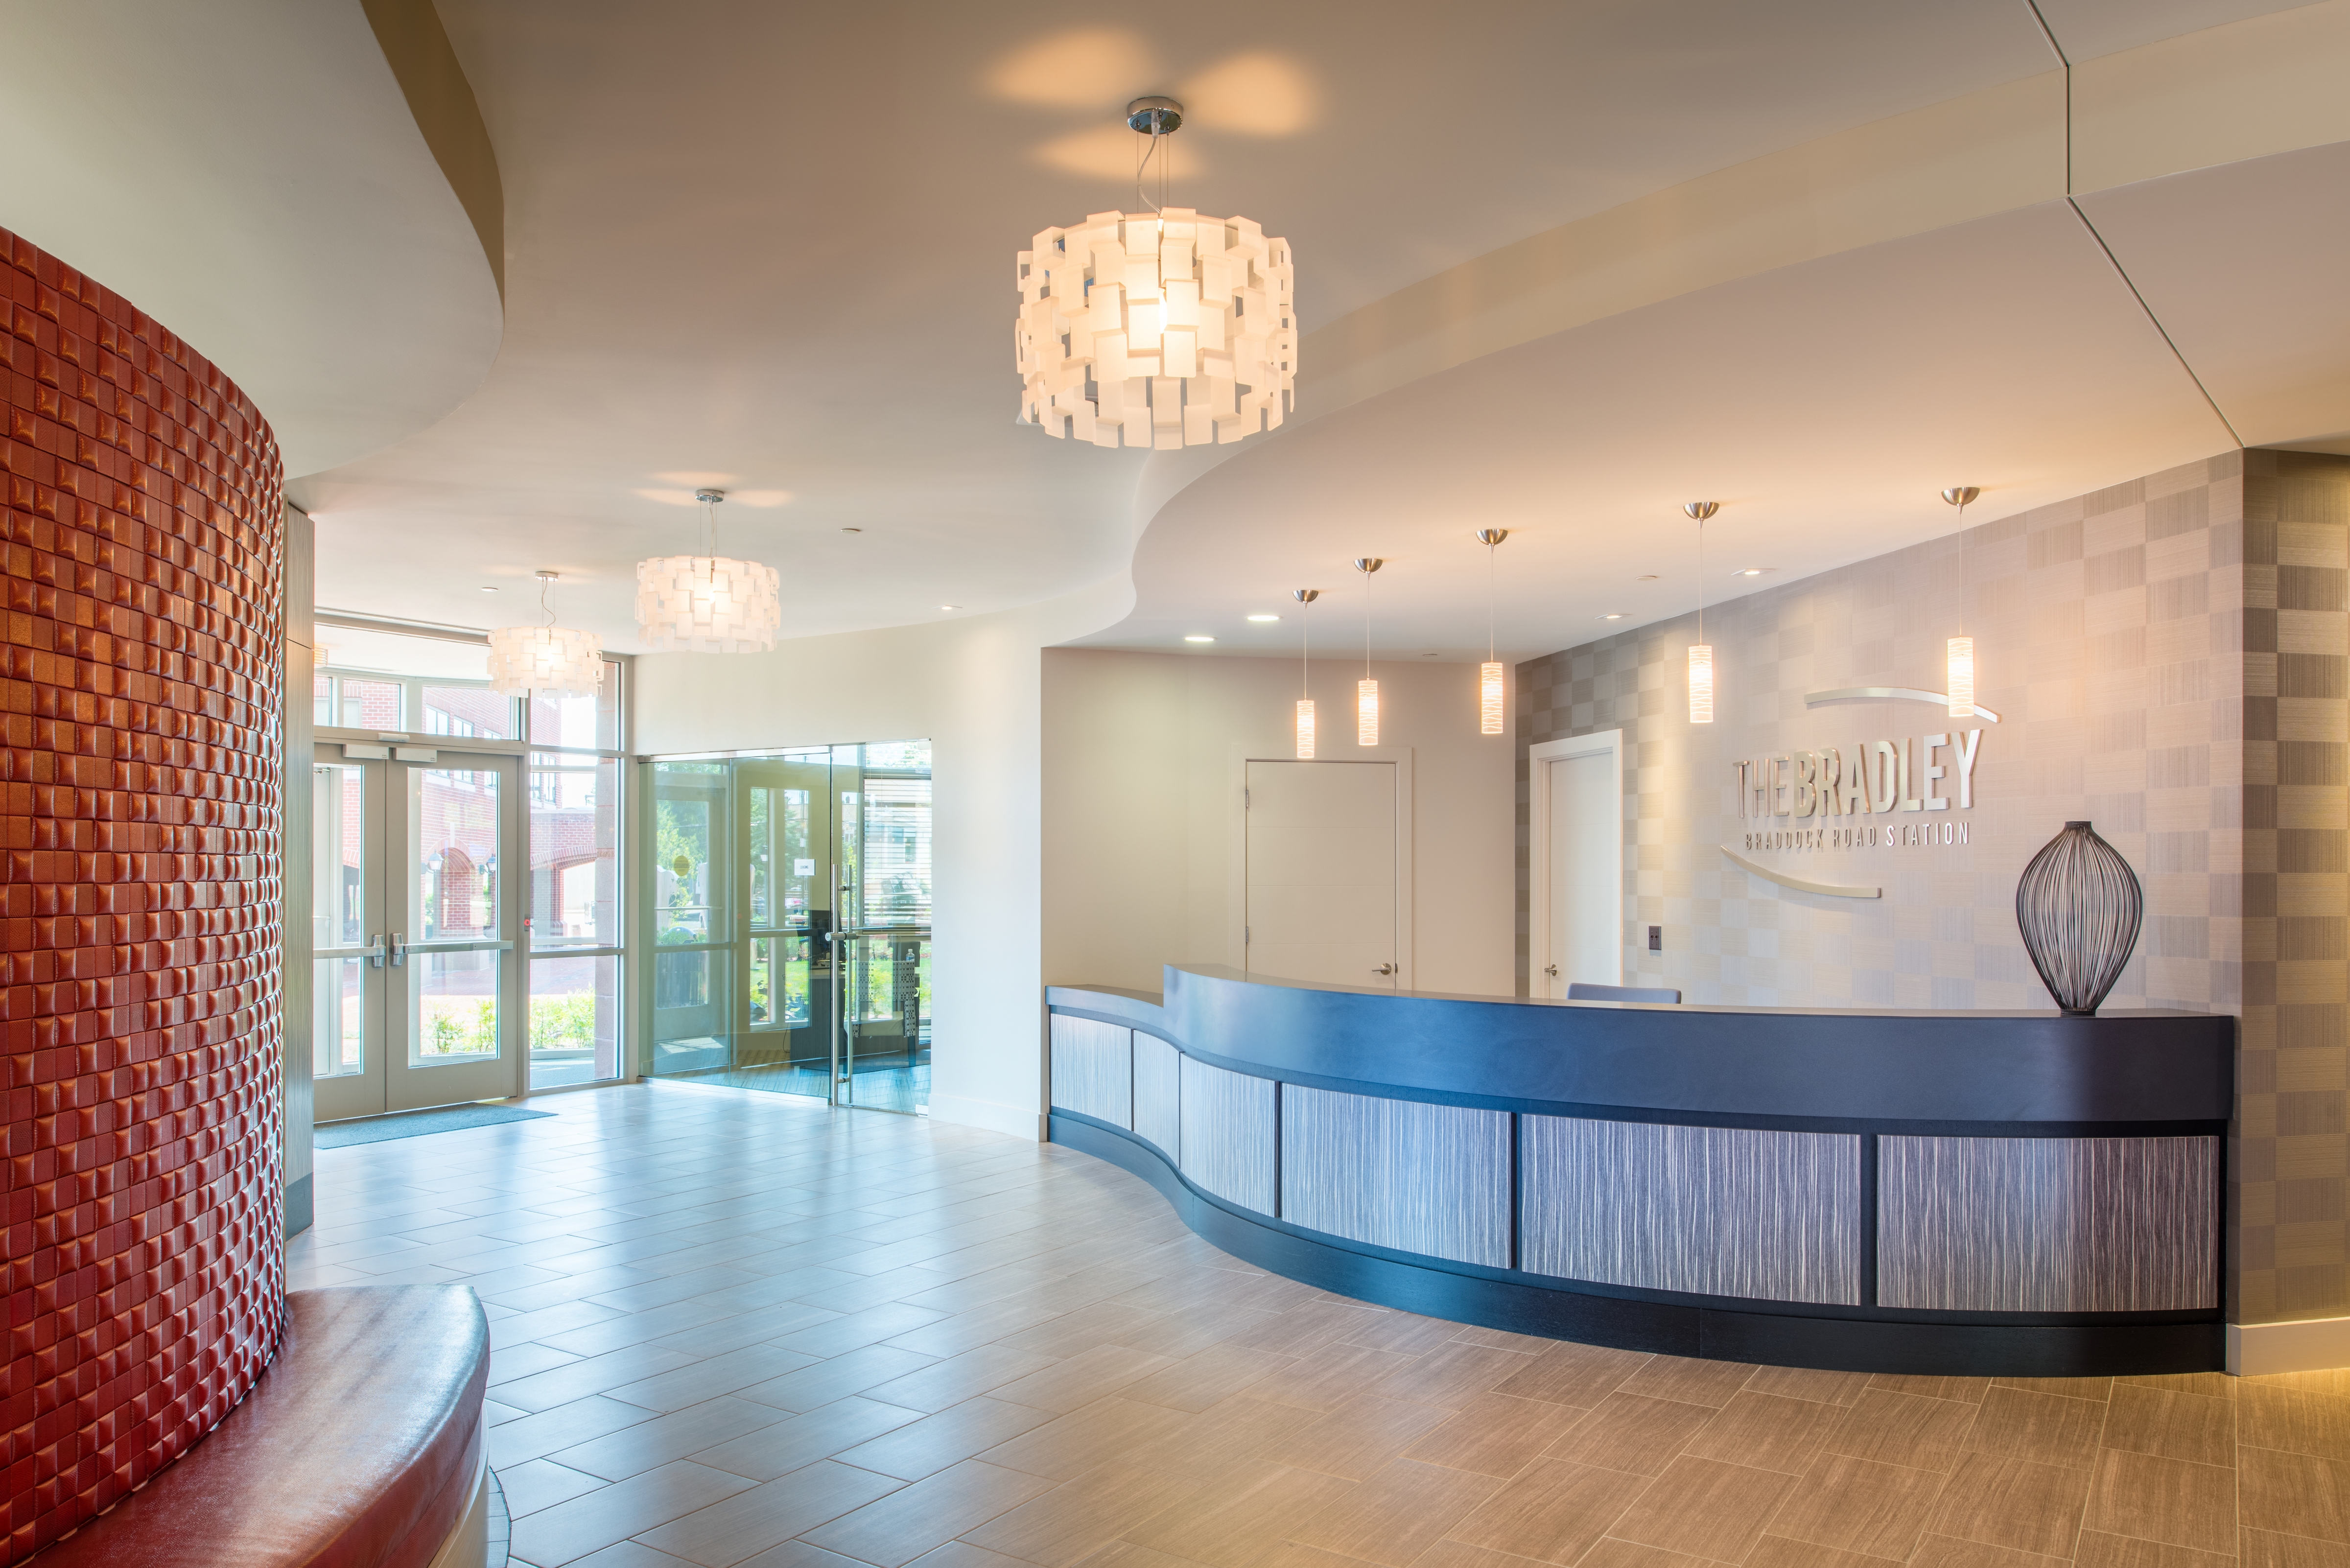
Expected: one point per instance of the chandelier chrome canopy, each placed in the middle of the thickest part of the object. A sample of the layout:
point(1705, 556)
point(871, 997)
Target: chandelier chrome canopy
point(708, 604)
point(547, 660)
point(1161, 329)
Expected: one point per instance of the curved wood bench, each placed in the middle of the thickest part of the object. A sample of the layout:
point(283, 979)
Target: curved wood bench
point(359, 1447)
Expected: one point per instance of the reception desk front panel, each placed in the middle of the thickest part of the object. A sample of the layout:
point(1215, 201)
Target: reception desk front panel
point(2082, 1240)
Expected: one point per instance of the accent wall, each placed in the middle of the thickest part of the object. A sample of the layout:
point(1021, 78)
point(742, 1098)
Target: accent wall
point(140, 799)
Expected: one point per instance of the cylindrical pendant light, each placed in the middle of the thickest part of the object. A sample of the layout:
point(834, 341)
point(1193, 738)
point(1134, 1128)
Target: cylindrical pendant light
point(1700, 653)
point(1490, 717)
point(1962, 677)
point(1305, 701)
point(1366, 690)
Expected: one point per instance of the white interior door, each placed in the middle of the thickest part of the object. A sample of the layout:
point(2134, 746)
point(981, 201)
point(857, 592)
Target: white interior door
point(1584, 885)
point(1321, 881)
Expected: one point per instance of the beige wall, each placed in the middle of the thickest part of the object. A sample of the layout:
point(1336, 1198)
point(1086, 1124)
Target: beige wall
point(1142, 808)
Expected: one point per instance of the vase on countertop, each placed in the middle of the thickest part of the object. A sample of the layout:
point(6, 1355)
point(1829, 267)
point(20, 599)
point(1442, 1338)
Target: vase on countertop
point(2078, 905)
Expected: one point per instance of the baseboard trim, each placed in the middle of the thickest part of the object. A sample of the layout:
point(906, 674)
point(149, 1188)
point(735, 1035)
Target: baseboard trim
point(2312, 1344)
point(992, 1114)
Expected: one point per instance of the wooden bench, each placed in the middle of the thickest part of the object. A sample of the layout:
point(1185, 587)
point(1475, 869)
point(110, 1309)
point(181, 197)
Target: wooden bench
point(359, 1447)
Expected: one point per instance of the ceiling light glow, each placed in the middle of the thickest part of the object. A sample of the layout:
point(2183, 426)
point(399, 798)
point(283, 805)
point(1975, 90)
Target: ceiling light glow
point(1260, 619)
point(1199, 637)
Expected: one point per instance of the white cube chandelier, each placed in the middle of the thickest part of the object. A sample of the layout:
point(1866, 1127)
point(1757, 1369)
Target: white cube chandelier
point(1160, 329)
point(708, 604)
point(547, 660)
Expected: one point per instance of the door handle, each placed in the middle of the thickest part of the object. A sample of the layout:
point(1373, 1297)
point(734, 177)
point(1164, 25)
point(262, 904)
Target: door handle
point(399, 949)
point(375, 950)
point(1384, 969)
point(1551, 970)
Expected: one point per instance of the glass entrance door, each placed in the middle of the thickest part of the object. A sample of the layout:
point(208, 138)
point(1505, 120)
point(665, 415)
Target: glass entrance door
point(418, 988)
point(884, 944)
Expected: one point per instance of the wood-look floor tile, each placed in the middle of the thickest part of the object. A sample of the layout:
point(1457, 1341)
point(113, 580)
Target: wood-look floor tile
point(711, 1376)
point(2014, 1503)
point(1779, 1552)
point(1613, 1554)
point(2046, 1428)
point(2172, 1424)
point(1395, 1513)
point(2328, 1380)
point(1074, 1332)
point(637, 1554)
point(960, 1378)
point(768, 1451)
point(1237, 1525)
point(1859, 1506)
point(1552, 1511)
point(1328, 1376)
point(1806, 1383)
point(595, 1519)
point(2269, 1416)
point(1689, 1380)
point(543, 1432)
point(1405, 1332)
point(1907, 1429)
point(1302, 1330)
point(1357, 1437)
point(1241, 1429)
point(749, 1521)
point(1205, 1378)
point(2096, 1549)
point(912, 1520)
point(1117, 1554)
point(542, 1484)
point(2216, 1385)
point(2265, 1548)
point(1704, 1508)
point(510, 1361)
point(1495, 1434)
point(1768, 1431)
point(1451, 1554)
point(2098, 1388)
point(1067, 1446)
point(2294, 1494)
point(2166, 1500)
point(850, 1331)
point(953, 1555)
point(1949, 1552)
point(811, 1387)
point(1180, 1334)
point(1581, 1375)
point(1288, 1554)
point(1965, 1390)
point(1453, 1375)
point(679, 1435)
point(1073, 1520)
point(1078, 1380)
point(1631, 1433)
point(1503, 1339)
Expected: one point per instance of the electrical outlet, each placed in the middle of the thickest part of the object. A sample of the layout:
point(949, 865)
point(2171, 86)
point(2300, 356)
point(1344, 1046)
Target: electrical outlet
point(1656, 938)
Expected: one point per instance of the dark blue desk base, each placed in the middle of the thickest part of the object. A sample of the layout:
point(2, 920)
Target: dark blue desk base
point(1991, 1344)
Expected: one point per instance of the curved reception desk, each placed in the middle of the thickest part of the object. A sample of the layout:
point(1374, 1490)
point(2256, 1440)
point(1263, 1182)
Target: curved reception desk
point(1973, 1193)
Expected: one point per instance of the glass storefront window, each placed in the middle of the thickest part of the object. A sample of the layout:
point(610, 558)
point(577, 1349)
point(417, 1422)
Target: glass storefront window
point(474, 712)
point(575, 851)
point(584, 723)
point(574, 1020)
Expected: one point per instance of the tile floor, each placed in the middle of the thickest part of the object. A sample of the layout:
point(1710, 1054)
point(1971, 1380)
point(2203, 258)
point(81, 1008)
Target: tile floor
point(734, 1327)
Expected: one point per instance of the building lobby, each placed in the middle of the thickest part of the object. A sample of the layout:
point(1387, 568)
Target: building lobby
point(670, 904)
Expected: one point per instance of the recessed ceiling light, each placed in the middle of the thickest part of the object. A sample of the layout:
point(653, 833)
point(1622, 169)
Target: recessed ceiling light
point(1198, 636)
point(951, 606)
point(487, 590)
point(1263, 617)
point(1753, 571)
point(1613, 615)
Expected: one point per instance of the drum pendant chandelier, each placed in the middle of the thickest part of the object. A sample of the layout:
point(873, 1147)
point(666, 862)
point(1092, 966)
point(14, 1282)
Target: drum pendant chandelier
point(1159, 329)
point(547, 660)
point(708, 604)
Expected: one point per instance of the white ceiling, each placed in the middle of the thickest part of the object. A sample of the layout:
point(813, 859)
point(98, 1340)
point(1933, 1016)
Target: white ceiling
point(247, 172)
point(770, 248)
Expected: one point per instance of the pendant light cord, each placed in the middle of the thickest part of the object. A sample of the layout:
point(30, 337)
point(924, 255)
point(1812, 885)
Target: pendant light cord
point(546, 589)
point(1492, 586)
point(1150, 150)
point(1700, 581)
point(1305, 643)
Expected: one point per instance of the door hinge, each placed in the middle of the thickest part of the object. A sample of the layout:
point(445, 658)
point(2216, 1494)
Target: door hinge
point(1248, 936)
point(1247, 800)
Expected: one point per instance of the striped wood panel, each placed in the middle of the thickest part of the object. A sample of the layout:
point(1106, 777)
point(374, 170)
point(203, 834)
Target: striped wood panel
point(1093, 1069)
point(1769, 1215)
point(1432, 1179)
point(2090, 1224)
point(1227, 1134)
point(1159, 1095)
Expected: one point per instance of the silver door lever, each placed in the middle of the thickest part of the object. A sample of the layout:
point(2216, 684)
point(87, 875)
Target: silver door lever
point(1384, 969)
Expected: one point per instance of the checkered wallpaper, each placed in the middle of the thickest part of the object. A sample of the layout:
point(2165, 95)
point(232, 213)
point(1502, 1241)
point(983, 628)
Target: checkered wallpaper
point(2170, 659)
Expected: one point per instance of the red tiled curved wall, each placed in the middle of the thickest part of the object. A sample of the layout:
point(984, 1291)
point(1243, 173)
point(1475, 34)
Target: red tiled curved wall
point(141, 549)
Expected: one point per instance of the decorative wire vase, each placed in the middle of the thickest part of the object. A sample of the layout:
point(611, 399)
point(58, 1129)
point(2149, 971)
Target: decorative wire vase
point(2078, 905)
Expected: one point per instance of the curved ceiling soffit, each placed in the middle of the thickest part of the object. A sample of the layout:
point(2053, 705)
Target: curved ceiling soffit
point(258, 182)
point(2227, 94)
point(424, 63)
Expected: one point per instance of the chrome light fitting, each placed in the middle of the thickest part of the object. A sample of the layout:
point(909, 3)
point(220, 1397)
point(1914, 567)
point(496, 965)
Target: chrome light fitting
point(547, 660)
point(1490, 689)
point(708, 603)
point(1367, 691)
point(1700, 653)
point(1960, 654)
point(1304, 686)
point(1161, 329)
